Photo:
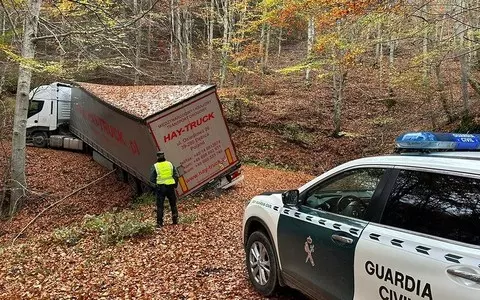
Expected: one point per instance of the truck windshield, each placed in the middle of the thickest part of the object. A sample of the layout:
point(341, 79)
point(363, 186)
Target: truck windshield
point(34, 107)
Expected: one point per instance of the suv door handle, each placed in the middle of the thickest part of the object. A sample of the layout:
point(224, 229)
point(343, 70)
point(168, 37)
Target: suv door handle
point(342, 239)
point(465, 275)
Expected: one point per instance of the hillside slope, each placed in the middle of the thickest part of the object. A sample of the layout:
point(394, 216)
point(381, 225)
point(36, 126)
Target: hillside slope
point(202, 258)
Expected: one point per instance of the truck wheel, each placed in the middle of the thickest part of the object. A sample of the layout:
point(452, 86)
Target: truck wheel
point(135, 185)
point(40, 139)
point(261, 263)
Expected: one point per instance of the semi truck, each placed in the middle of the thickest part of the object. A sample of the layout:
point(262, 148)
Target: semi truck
point(123, 127)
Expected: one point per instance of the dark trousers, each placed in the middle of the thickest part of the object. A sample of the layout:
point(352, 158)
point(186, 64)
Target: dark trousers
point(168, 191)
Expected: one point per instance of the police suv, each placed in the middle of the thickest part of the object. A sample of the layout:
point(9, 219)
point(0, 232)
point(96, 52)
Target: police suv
point(396, 227)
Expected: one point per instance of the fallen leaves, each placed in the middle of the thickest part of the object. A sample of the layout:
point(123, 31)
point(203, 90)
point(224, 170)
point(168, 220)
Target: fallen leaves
point(199, 259)
point(143, 101)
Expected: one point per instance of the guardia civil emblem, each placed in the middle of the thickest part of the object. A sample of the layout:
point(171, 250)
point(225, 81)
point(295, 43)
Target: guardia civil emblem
point(309, 248)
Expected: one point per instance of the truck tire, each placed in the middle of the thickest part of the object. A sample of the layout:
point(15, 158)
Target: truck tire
point(261, 263)
point(135, 185)
point(121, 174)
point(39, 139)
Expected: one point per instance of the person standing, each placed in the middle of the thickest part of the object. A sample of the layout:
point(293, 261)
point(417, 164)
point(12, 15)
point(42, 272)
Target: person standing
point(165, 178)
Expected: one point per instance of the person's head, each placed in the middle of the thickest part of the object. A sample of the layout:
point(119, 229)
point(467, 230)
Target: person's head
point(160, 156)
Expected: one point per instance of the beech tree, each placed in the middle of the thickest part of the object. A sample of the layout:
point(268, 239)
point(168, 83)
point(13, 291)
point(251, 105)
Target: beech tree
point(339, 42)
point(18, 177)
point(28, 64)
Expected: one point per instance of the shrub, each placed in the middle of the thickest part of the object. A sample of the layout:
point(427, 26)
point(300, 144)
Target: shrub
point(296, 134)
point(144, 199)
point(116, 227)
point(69, 236)
point(188, 219)
point(468, 125)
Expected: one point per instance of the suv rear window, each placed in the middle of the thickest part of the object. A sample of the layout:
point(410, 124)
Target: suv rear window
point(442, 205)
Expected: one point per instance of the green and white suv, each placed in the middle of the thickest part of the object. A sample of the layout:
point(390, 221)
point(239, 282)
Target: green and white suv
point(397, 227)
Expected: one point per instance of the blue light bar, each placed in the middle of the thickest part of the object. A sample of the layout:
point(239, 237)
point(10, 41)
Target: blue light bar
point(438, 141)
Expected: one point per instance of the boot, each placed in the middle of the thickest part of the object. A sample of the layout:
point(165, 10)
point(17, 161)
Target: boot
point(175, 220)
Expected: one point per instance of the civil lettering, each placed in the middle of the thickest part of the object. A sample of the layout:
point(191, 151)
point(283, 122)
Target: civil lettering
point(383, 291)
point(388, 294)
point(398, 279)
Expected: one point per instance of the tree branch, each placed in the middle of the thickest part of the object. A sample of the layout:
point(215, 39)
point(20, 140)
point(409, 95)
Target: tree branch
point(9, 19)
point(57, 202)
point(86, 32)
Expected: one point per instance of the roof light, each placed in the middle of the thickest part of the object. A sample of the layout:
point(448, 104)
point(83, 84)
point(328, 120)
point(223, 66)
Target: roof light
point(438, 141)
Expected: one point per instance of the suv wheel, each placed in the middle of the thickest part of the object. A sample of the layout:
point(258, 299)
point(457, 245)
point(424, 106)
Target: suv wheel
point(261, 263)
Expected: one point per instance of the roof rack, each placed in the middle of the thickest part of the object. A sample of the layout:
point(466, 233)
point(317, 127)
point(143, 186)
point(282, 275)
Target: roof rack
point(426, 141)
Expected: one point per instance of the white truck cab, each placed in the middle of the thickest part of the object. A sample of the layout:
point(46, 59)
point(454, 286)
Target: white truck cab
point(48, 111)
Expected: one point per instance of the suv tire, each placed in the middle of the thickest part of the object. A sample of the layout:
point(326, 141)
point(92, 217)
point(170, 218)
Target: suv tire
point(261, 263)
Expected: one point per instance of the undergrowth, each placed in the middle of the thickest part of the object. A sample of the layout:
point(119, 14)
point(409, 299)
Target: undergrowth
point(109, 228)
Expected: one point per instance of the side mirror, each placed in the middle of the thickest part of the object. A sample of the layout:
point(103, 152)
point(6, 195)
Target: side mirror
point(291, 198)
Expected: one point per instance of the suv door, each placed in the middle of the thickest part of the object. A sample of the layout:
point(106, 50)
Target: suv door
point(427, 245)
point(316, 241)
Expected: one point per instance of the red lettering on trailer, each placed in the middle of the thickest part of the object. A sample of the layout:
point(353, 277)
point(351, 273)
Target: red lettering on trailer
point(178, 132)
point(109, 130)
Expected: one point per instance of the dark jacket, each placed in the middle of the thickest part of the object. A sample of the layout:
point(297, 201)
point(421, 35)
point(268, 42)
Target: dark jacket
point(153, 175)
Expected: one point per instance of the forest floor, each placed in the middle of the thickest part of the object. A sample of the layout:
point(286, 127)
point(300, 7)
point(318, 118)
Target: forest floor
point(56, 257)
point(282, 135)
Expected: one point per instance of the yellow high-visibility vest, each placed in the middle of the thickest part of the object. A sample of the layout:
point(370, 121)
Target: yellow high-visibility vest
point(164, 171)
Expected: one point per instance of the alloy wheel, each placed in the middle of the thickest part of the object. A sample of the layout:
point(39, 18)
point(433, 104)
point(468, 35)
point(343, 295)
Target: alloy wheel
point(259, 263)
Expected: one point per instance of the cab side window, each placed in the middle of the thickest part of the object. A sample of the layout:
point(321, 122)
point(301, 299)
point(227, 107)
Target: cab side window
point(348, 193)
point(34, 107)
point(442, 205)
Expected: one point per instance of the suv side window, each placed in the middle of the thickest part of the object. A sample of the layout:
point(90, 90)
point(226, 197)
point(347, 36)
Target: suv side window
point(348, 193)
point(442, 205)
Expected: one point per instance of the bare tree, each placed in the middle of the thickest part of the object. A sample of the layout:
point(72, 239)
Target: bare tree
point(138, 40)
point(310, 42)
point(18, 177)
point(225, 40)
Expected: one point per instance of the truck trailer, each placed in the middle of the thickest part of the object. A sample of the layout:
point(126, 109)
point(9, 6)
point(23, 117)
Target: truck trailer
point(124, 126)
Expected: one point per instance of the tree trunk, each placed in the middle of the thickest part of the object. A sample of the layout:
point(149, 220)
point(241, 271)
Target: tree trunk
point(378, 45)
point(4, 63)
point(266, 50)
point(238, 74)
point(279, 53)
point(441, 90)
point(172, 31)
point(391, 56)
point(310, 41)
point(262, 46)
point(211, 21)
point(464, 84)
point(225, 46)
point(138, 42)
point(425, 50)
point(149, 33)
point(178, 38)
point(339, 77)
point(18, 177)
point(186, 40)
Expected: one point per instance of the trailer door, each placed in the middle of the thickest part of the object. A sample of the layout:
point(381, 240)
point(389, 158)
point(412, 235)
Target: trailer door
point(195, 137)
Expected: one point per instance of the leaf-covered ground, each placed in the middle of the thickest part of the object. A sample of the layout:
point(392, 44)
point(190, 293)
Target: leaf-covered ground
point(199, 259)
